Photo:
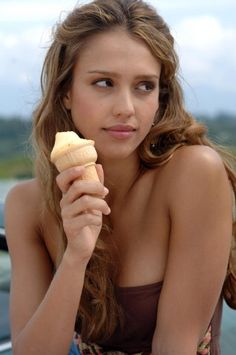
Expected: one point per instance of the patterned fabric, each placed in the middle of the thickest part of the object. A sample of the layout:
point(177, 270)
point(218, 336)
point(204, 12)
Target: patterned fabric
point(74, 350)
point(86, 348)
point(204, 346)
point(93, 349)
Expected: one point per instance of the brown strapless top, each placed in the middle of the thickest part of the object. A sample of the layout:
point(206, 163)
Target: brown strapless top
point(140, 310)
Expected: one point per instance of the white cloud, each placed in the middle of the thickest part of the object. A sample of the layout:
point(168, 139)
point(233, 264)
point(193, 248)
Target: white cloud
point(192, 5)
point(8, 41)
point(23, 55)
point(203, 32)
point(30, 11)
point(207, 51)
point(30, 36)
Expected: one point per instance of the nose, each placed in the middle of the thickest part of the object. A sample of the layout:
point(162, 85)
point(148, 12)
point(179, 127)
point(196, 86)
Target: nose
point(123, 106)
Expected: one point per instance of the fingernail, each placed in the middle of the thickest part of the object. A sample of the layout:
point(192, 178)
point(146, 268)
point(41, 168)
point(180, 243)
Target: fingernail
point(106, 190)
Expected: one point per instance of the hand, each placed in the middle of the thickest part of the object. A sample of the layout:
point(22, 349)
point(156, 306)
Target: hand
point(82, 206)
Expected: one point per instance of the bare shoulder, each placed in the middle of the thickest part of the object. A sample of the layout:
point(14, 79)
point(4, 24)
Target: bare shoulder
point(24, 190)
point(25, 194)
point(190, 170)
point(197, 172)
point(191, 167)
point(196, 163)
point(197, 157)
point(23, 203)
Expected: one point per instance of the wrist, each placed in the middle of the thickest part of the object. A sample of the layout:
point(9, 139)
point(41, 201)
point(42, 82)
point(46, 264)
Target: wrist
point(72, 259)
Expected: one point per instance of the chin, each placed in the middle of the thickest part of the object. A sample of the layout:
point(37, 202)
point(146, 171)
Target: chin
point(121, 154)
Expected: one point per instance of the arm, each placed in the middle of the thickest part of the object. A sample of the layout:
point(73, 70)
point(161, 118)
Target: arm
point(200, 210)
point(43, 306)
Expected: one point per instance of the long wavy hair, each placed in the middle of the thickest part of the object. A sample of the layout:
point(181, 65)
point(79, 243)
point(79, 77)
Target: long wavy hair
point(99, 312)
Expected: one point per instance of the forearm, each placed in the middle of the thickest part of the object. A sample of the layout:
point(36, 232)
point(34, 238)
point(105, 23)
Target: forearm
point(172, 352)
point(50, 330)
point(168, 344)
point(178, 349)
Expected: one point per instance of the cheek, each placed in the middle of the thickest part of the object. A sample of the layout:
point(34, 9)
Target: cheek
point(154, 104)
point(148, 115)
point(80, 104)
point(82, 110)
point(86, 115)
point(150, 109)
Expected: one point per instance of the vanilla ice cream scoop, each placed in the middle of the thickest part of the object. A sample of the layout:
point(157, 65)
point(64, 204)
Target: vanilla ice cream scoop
point(70, 150)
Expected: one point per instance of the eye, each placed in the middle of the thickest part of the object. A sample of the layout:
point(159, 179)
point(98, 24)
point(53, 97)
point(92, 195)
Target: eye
point(103, 83)
point(146, 86)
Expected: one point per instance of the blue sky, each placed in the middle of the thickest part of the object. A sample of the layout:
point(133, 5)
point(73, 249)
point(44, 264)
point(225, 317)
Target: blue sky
point(205, 32)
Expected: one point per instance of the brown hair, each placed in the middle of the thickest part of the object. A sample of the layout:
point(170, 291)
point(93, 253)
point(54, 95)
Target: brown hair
point(98, 311)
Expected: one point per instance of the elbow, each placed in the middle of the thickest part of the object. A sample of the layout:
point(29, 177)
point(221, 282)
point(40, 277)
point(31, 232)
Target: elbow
point(16, 348)
point(157, 348)
point(19, 347)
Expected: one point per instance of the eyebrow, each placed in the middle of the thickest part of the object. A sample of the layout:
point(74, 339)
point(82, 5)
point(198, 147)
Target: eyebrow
point(110, 73)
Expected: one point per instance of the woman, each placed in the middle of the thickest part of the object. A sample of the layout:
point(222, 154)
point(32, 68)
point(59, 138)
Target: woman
point(137, 261)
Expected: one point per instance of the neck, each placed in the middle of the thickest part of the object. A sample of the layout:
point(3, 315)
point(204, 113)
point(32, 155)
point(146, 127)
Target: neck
point(120, 177)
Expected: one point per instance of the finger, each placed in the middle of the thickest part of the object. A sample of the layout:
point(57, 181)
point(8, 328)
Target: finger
point(84, 204)
point(83, 187)
point(66, 177)
point(72, 227)
point(93, 205)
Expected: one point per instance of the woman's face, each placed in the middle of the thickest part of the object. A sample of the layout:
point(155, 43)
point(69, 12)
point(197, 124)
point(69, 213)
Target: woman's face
point(114, 94)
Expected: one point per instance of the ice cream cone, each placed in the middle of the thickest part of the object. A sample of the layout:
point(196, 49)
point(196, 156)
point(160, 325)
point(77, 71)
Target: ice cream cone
point(70, 150)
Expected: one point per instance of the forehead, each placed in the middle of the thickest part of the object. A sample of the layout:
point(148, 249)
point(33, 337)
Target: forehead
point(117, 49)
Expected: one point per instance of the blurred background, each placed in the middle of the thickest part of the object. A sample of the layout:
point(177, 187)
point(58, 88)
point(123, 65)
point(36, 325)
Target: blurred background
point(205, 33)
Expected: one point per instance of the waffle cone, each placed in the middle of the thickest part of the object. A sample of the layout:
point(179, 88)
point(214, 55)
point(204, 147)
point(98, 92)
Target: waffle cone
point(82, 154)
point(90, 173)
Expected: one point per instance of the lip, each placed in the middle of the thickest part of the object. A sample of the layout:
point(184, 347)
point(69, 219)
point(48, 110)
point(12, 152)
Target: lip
point(120, 128)
point(120, 131)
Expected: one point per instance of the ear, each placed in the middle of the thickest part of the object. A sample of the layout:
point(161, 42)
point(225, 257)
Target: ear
point(67, 101)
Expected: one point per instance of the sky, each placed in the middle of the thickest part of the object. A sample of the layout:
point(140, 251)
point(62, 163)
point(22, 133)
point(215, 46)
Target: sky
point(204, 30)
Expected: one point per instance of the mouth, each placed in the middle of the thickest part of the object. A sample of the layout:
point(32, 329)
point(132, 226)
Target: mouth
point(121, 128)
point(120, 131)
